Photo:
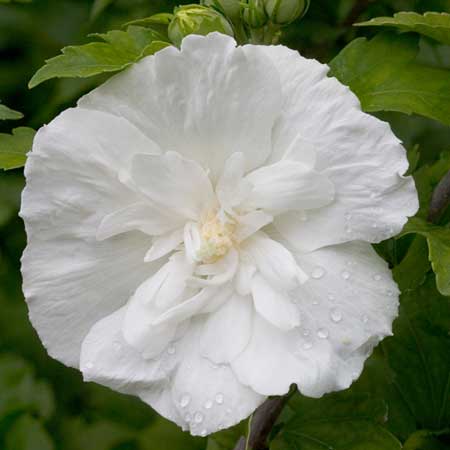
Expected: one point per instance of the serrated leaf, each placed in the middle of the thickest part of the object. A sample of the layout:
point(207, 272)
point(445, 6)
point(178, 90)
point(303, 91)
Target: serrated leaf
point(418, 354)
point(438, 238)
point(156, 19)
point(383, 74)
point(27, 433)
point(14, 147)
point(120, 50)
point(432, 24)
point(9, 114)
point(342, 421)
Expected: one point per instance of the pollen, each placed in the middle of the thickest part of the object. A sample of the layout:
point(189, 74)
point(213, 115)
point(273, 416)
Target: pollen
point(216, 235)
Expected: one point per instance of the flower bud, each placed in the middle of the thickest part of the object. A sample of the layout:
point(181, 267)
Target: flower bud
point(255, 14)
point(283, 12)
point(229, 8)
point(196, 19)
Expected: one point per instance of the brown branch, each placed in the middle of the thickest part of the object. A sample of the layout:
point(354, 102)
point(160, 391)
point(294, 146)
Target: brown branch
point(440, 199)
point(262, 423)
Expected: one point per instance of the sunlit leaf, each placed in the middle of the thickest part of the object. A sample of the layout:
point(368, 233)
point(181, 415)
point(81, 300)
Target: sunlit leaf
point(119, 50)
point(383, 74)
point(14, 147)
point(432, 24)
point(9, 114)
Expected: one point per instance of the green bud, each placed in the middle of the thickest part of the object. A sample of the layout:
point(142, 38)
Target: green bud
point(196, 19)
point(229, 8)
point(255, 14)
point(283, 12)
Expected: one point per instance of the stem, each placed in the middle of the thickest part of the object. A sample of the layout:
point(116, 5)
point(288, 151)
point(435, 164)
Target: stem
point(262, 422)
point(440, 199)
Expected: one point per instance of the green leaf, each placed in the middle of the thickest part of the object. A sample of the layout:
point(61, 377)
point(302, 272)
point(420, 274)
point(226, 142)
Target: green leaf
point(418, 355)
point(9, 114)
point(438, 238)
point(226, 439)
point(16, 1)
point(340, 421)
point(120, 50)
point(27, 433)
point(383, 74)
point(14, 147)
point(432, 24)
point(156, 19)
point(427, 178)
point(424, 440)
point(20, 392)
point(412, 270)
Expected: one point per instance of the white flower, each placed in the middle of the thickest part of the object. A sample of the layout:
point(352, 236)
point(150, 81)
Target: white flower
point(199, 231)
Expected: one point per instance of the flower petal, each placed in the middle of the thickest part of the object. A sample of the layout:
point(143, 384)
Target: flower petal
point(180, 88)
point(71, 280)
point(346, 307)
point(274, 261)
point(274, 304)
point(173, 182)
point(357, 152)
point(288, 185)
point(162, 245)
point(227, 330)
point(179, 383)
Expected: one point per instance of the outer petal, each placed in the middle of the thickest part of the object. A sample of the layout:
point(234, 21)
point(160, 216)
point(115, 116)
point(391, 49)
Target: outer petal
point(357, 152)
point(193, 101)
point(346, 307)
point(179, 383)
point(70, 279)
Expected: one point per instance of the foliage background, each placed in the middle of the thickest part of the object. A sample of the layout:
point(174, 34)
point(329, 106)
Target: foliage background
point(403, 398)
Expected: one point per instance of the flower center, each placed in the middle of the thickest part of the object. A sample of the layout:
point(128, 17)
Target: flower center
point(216, 235)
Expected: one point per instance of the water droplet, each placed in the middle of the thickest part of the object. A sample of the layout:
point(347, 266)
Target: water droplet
point(203, 433)
point(171, 350)
point(198, 417)
point(364, 318)
point(331, 297)
point(89, 365)
point(219, 398)
point(306, 332)
point(315, 301)
point(348, 230)
point(187, 417)
point(185, 400)
point(323, 333)
point(335, 315)
point(345, 275)
point(347, 216)
point(377, 277)
point(307, 345)
point(389, 293)
point(208, 404)
point(374, 225)
point(318, 272)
